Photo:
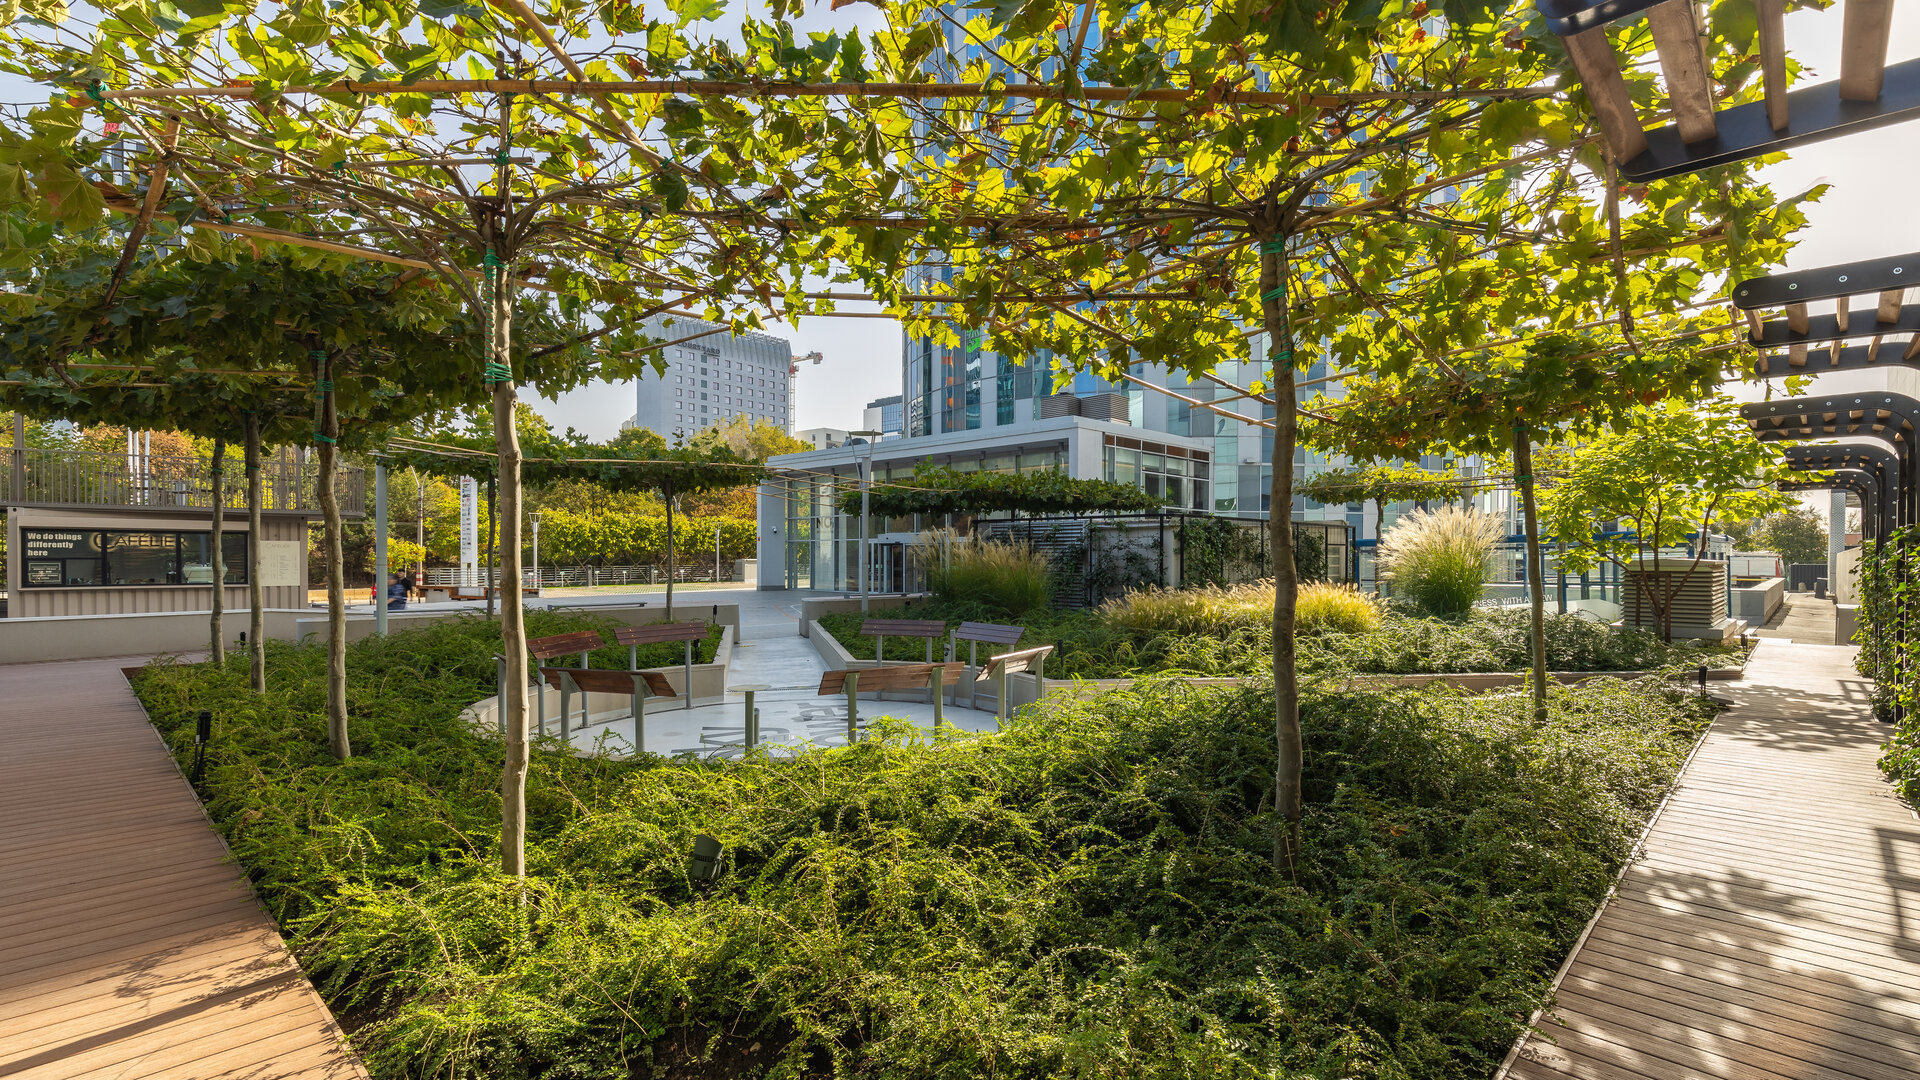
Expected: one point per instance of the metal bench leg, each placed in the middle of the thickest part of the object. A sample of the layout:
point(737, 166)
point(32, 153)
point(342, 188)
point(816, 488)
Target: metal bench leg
point(853, 707)
point(933, 695)
point(639, 716)
point(540, 697)
point(1000, 717)
point(566, 709)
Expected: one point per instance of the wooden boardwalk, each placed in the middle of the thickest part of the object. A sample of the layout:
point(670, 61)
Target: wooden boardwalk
point(129, 946)
point(1771, 927)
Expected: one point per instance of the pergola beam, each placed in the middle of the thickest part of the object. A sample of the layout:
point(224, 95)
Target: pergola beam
point(918, 91)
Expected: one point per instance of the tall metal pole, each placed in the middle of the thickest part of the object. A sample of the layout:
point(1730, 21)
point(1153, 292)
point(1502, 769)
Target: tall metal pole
point(1837, 531)
point(866, 524)
point(19, 456)
point(380, 548)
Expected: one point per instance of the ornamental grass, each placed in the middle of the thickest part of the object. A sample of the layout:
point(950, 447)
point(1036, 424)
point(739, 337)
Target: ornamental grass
point(1013, 578)
point(1438, 560)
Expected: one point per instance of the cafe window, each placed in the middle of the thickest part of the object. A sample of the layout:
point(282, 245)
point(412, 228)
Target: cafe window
point(71, 558)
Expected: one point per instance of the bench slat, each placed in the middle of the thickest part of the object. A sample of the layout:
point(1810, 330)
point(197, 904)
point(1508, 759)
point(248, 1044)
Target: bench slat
point(926, 628)
point(1015, 662)
point(546, 648)
point(990, 633)
point(891, 677)
point(604, 681)
point(656, 632)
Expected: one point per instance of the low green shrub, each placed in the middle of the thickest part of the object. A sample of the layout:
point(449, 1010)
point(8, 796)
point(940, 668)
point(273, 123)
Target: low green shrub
point(1087, 646)
point(1088, 895)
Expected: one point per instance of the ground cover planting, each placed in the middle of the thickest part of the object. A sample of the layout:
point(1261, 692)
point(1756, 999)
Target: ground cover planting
point(1090, 894)
point(1227, 631)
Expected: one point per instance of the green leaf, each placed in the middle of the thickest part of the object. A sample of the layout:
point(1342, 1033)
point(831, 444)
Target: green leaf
point(72, 197)
point(696, 10)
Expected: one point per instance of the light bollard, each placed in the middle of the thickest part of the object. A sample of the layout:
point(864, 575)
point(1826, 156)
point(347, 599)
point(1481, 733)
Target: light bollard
point(853, 707)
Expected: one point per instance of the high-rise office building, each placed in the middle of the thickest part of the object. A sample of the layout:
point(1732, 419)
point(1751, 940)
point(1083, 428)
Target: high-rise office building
point(884, 415)
point(712, 379)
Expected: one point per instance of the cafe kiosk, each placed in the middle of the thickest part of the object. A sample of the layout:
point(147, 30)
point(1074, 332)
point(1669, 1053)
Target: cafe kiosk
point(66, 561)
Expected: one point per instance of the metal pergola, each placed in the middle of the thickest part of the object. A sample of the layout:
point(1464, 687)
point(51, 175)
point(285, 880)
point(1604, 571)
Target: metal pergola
point(1792, 341)
point(1700, 133)
point(1879, 418)
point(1855, 482)
point(1877, 462)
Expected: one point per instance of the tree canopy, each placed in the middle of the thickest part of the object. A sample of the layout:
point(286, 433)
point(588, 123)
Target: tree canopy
point(1666, 477)
point(1383, 484)
point(938, 489)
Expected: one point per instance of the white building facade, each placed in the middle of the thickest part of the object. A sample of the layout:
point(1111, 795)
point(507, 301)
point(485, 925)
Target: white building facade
point(714, 377)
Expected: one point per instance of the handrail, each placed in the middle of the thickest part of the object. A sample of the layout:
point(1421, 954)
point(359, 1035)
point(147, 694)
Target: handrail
point(41, 477)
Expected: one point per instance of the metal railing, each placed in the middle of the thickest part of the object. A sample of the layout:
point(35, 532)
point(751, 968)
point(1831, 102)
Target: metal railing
point(574, 577)
point(36, 477)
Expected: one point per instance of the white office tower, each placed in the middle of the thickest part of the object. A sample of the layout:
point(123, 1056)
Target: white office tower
point(713, 377)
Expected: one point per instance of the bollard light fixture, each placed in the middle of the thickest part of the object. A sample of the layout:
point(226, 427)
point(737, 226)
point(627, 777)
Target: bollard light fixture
point(705, 864)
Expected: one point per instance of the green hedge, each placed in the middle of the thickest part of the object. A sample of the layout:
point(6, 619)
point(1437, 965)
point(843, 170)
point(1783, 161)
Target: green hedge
point(568, 539)
point(1088, 895)
point(1087, 647)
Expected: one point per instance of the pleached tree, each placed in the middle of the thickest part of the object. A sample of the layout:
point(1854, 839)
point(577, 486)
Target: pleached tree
point(461, 142)
point(1239, 194)
point(311, 350)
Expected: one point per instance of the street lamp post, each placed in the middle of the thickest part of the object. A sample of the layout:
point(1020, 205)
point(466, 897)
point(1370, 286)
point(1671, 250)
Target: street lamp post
point(534, 520)
point(866, 526)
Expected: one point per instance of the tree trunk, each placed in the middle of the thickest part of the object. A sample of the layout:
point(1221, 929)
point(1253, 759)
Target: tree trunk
point(513, 627)
point(216, 622)
point(1379, 527)
point(327, 436)
point(1286, 688)
point(256, 598)
point(669, 550)
point(1536, 573)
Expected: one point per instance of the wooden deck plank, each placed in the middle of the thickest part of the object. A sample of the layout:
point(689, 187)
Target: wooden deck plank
point(133, 948)
point(1770, 927)
point(1789, 1020)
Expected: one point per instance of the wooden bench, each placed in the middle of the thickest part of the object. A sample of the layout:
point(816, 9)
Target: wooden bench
point(976, 634)
point(688, 632)
point(933, 678)
point(639, 685)
point(882, 629)
point(1032, 661)
point(550, 647)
